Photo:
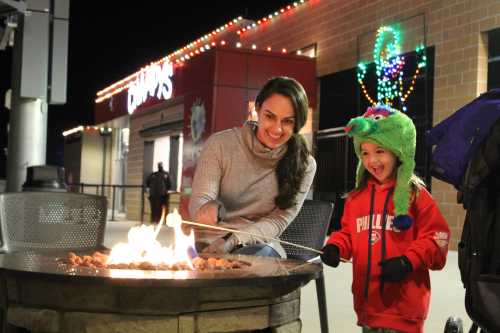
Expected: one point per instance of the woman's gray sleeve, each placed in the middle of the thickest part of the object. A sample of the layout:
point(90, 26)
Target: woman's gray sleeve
point(207, 176)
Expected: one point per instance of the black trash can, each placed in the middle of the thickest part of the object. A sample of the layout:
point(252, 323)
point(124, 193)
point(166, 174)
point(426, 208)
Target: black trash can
point(45, 178)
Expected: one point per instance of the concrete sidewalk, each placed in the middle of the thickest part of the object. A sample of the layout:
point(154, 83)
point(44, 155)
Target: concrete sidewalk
point(447, 291)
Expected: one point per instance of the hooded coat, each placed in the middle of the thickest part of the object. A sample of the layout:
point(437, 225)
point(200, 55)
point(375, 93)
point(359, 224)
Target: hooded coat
point(403, 305)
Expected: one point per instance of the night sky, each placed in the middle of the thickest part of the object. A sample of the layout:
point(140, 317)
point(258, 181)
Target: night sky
point(109, 40)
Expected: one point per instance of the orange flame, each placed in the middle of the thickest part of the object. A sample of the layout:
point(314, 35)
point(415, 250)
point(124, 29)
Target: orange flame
point(143, 246)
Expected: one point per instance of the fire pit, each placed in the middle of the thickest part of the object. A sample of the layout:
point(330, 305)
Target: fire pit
point(43, 294)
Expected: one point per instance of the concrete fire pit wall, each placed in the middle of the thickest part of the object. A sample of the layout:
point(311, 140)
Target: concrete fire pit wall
point(40, 306)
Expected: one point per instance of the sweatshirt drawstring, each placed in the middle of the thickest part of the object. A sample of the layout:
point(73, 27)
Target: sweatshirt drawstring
point(384, 224)
point(370, 227)
point(368, 269)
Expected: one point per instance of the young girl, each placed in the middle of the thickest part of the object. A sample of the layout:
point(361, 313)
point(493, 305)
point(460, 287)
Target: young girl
point(391, 227)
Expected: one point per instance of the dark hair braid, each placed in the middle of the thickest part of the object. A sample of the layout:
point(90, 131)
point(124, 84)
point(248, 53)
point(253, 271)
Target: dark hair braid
point(291, 170)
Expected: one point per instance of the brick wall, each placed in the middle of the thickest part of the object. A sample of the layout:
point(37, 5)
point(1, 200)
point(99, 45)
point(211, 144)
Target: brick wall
point(456, 28)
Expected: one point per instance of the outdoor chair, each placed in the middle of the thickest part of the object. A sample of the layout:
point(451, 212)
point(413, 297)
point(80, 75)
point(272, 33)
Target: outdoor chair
point(52, 221)
point(309, 229)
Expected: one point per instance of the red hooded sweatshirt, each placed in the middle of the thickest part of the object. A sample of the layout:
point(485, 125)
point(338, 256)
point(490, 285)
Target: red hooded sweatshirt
point(404, 305)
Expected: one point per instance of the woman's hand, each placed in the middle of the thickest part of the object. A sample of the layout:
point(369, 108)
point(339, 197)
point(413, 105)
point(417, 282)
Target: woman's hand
point(217, 247)
point(208, 213)
point(222, 246)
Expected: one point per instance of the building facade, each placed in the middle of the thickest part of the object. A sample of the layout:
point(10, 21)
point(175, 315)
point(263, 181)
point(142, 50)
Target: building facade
point(458, 32)
point(454, 36)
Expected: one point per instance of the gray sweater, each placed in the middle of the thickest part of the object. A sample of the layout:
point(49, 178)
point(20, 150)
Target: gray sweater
point(236, 169)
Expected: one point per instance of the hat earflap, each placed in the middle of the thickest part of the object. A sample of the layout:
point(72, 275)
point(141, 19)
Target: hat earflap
point(402, 220)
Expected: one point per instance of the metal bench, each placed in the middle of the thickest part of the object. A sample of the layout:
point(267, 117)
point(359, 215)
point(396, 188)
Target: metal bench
point(309, 229)
point(51, 221)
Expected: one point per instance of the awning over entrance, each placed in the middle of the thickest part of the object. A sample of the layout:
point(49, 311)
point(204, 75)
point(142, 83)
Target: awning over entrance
point(163, 129)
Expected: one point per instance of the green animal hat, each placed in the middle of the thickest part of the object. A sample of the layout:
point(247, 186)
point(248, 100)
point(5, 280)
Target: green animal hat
point(394, 131)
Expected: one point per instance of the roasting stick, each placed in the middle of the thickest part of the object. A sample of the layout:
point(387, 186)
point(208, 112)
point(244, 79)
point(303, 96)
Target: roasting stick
point(250, 234)
point(255, 235)
point(162, 219)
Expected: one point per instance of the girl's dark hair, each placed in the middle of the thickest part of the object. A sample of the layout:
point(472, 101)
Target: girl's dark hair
point(292, 166)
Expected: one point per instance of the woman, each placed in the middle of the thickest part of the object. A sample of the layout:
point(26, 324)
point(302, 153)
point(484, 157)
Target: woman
point(255, 178)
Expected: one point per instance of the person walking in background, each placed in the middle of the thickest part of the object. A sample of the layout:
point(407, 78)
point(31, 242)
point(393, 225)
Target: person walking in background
point(158, 184)
point(255, 178)
point(391, 227)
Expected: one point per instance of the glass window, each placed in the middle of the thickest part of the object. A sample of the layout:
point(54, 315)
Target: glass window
point(494, 59)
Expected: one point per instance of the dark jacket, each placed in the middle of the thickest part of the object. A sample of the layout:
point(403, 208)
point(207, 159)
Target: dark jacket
point(158, 183)
point(479, 248)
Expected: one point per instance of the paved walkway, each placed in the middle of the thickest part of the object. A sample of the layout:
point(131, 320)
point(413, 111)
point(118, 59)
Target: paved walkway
point(447, 292)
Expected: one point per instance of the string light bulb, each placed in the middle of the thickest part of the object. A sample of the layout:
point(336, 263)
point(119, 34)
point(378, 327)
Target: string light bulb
point(273, 16)
point(193, 48)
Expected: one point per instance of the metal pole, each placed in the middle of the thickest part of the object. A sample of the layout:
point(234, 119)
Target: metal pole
point(113, 204)
point(142, 204)
point(27, 124)
point(103, 171)
point(36, 80)
point(27, 139)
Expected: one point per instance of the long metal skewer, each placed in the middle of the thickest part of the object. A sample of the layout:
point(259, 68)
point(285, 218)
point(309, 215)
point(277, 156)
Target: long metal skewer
point(250, 234)
point(162, 219)
point(209, 226)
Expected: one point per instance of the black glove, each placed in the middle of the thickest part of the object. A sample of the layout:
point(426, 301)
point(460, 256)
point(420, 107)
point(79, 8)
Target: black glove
point(395, 269)
point(331, 255)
